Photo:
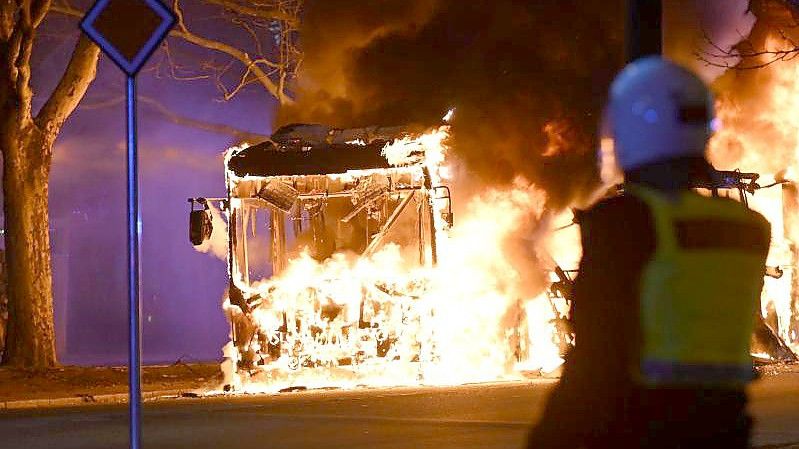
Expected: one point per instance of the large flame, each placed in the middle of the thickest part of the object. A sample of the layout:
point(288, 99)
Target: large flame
point(759, 132)
point(471, 317)
point(474, 316)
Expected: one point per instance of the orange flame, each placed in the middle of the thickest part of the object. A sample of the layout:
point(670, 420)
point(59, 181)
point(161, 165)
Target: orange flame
point(760, 133)
point(469, 318)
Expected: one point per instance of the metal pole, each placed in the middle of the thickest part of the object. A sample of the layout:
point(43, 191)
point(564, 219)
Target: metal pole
point(644, 28)
point(134, 355)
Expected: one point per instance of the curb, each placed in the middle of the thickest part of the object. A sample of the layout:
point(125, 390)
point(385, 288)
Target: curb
point(87, 400)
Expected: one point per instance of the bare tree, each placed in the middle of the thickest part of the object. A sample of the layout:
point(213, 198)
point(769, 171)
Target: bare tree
point(26, 142)
point(243, 63)
point(27, 139)
point(273, 73)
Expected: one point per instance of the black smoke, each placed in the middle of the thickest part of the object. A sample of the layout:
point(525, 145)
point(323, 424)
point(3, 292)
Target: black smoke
point(528, 79)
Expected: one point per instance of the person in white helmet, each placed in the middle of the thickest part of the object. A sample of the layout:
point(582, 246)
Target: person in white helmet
point(668, 288)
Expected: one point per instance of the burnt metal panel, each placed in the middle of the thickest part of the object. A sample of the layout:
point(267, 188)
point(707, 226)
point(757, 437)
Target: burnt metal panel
point(266, 159)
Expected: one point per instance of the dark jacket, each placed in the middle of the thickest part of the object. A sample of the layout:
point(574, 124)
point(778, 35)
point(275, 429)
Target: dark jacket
point(596, 404)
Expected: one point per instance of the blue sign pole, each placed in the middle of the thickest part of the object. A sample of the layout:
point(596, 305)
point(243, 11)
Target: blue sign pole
point(116, 25)
point(644, 28)
point(134, 286)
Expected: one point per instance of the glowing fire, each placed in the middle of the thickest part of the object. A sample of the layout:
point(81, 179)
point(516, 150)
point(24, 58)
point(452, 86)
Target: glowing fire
point(760, 133)
point(381, 320)
point(475, 315)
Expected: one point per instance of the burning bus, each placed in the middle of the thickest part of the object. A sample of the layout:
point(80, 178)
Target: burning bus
point(346, 266)
point(314, 196)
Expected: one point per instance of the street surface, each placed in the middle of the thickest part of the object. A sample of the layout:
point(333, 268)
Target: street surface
point(472, 416)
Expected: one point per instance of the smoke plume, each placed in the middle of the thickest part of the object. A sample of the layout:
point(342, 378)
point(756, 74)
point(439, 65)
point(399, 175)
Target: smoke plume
point(528, 79)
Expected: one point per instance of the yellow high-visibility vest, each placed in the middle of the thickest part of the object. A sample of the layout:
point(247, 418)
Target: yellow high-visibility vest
point(701, 291)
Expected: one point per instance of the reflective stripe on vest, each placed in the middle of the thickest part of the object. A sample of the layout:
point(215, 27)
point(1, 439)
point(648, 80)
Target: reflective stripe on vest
point(700, 293)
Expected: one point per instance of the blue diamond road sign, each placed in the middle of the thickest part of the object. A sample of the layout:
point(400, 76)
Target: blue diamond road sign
point(128, 31)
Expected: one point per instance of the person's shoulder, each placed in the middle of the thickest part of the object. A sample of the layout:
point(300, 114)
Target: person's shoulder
point(628, 206)
point(620, 224)
point(621, 201)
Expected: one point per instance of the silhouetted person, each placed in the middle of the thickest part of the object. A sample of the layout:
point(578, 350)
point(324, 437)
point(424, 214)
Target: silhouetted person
point(667, 290)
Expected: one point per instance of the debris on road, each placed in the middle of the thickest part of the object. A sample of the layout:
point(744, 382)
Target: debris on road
point(88, 383)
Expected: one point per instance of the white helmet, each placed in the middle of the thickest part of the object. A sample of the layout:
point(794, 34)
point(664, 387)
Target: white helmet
point(658, 111)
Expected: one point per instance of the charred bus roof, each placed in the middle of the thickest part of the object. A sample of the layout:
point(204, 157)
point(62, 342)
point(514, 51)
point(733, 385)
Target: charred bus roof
point(267, 159)
point(307, 149)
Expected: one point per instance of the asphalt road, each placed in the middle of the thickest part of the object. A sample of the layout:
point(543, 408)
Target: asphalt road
point(472, 416)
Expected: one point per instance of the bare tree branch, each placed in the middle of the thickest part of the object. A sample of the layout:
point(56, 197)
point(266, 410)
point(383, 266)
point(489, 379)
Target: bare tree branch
point(19, 56)
point(7, 12)
point(746, 55)
point(253, 9)
point(251, 65)
point(79, 74)
point(39, 9)
point(175, 68)
point(238, 134)
point(751, 60)
point(273, 78)
point(66, 9)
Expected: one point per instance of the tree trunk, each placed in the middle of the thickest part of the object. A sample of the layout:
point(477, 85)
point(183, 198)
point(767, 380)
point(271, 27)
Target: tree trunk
point(3, 305)
point(26, 143)
point(31, 335)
